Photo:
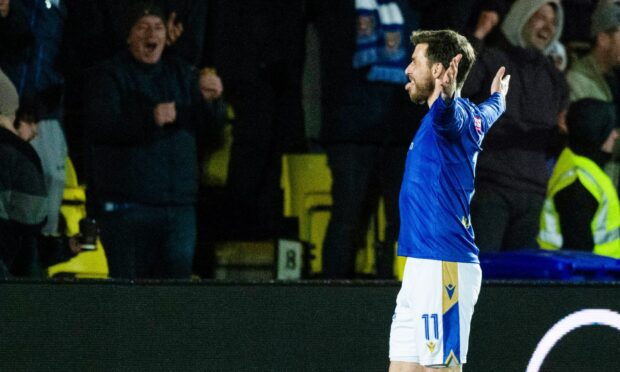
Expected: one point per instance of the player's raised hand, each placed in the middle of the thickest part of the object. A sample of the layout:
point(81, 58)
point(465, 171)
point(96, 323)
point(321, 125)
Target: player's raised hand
point(447, 80)
point(500, 83)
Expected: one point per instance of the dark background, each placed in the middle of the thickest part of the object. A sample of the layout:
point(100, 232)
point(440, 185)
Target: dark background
point(274, 326)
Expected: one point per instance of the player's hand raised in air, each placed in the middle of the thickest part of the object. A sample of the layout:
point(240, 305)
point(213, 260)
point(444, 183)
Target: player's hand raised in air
point(500, 82)
point(447, 80)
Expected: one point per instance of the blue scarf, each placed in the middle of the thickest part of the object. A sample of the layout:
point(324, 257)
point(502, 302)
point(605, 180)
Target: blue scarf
point(380, 41)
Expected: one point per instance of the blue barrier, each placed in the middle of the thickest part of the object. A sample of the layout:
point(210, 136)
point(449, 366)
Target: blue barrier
point(553, 265)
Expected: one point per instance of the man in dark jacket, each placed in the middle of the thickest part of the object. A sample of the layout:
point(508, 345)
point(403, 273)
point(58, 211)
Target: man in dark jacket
point(95, 30)
point(22, 187)
point(513, 167)
point(144, 110)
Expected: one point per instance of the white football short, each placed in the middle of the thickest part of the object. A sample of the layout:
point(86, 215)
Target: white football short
point(433, 313)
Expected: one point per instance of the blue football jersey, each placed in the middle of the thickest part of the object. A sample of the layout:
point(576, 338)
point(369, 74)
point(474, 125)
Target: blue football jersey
point(438, 183)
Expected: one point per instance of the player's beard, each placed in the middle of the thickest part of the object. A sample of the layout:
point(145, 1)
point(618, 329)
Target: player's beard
point(423, 90)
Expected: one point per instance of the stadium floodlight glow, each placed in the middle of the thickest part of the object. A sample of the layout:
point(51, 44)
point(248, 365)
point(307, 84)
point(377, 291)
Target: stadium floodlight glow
point(587, 317)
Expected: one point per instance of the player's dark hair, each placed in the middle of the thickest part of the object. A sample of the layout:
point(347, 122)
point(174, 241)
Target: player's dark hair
point(443, 45)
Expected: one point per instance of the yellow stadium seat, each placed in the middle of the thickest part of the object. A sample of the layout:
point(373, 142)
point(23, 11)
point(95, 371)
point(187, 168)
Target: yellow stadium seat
point(306, 178)
point(87, 264)
point(306, 182)
point(215, 166)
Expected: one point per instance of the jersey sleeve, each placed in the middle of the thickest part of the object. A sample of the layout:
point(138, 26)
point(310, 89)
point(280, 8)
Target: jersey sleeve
point(483, 117)
point(491, 110)
point(447, 118)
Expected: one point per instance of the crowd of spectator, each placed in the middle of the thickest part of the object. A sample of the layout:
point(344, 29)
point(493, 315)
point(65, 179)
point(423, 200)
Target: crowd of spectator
point(133, 92)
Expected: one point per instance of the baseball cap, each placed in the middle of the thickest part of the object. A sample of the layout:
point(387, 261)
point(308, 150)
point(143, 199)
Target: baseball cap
point(606, 16)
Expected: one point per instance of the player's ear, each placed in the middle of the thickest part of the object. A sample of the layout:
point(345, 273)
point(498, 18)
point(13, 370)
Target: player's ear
point(437, 70)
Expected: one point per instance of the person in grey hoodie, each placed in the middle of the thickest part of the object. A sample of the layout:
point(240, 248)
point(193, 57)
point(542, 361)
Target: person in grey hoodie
point(514, 166)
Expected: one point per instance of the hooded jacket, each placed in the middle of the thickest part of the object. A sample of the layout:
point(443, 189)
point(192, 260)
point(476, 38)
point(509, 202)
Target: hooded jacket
point(520, 13)
point(516, 150)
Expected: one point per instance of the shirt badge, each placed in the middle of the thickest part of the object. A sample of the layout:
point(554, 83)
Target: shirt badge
point(478, 124)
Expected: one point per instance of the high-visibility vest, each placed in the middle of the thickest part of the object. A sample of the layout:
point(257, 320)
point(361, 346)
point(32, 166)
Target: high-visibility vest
point(605, 224)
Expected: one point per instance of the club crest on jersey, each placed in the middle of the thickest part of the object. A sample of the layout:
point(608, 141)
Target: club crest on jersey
point(478, 124)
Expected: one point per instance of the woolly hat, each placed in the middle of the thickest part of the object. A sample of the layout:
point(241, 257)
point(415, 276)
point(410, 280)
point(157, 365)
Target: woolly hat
point(589, 123)
point(141, 9)
point(606, 16)
point(9, 100)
